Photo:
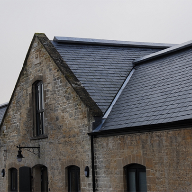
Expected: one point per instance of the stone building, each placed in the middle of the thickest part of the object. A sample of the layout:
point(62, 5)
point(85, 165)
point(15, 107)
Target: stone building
point(98, 115)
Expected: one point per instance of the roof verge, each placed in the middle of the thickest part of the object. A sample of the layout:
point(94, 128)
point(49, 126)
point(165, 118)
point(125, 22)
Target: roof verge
point(69, 75)
point(81, 91)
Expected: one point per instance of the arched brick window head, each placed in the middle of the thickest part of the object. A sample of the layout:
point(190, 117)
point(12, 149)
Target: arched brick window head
point(136, 178)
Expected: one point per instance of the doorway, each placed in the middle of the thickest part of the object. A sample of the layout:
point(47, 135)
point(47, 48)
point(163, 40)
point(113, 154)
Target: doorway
point(40, 178)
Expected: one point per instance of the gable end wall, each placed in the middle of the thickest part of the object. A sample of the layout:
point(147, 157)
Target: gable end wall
point(67, 121)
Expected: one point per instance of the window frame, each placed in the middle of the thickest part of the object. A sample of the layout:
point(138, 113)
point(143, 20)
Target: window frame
point(39, 128)
point(13, 176)
point(137, 168)
point(76, 169)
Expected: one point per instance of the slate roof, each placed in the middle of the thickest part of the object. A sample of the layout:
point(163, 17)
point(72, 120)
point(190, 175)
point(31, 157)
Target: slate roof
point(102, 65)
point(159, 91)
point(3, 108)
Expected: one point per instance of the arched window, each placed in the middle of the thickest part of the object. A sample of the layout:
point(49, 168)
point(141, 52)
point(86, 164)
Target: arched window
point(74, 179)
point(39, 108)
point(136, 178)
point(13, 179)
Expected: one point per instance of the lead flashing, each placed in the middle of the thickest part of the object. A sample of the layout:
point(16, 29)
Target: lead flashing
point(163, 52)
point(118, 94)
point(73, 40)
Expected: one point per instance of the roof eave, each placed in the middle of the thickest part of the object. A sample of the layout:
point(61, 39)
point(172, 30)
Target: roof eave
point(186, 123)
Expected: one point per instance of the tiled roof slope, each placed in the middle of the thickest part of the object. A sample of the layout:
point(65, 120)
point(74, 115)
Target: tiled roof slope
point(101, 68)
point(3, 108)
point(160, 91)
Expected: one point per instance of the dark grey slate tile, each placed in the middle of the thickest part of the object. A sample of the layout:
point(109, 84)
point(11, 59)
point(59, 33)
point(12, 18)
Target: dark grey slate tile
point(2, 111)
point(159, 91)
point(101, 67)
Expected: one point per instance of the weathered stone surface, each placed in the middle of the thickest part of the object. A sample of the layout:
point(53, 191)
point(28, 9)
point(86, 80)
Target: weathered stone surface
point(166, 155)
point(67, 121)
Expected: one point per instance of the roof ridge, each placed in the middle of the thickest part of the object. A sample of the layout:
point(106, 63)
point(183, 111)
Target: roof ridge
point(75, 40)
point(163, 52)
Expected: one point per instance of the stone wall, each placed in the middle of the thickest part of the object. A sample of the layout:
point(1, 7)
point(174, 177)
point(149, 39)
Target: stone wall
point(167, 156)
point(67, 122)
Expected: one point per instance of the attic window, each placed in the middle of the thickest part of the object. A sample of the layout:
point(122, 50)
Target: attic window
point(39, 108)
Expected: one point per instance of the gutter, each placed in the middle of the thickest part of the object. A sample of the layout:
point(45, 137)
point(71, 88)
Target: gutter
point(186, 123)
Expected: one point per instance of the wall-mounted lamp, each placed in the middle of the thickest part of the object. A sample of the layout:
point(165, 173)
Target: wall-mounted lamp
point(20, 156)
point(3, 173)
point(86, 171)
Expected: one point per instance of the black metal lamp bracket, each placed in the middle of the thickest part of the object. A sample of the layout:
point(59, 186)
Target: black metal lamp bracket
point(31, 150)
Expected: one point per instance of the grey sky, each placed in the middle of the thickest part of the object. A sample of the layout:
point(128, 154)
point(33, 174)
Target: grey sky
point(160, 21)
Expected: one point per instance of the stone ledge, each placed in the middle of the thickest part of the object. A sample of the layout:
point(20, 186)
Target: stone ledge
point(39, 137)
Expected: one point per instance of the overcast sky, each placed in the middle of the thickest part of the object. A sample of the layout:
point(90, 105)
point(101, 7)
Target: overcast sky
point(160, 21)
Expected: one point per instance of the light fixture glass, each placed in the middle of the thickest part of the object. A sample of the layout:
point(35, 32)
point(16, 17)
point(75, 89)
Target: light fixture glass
point(19, 159)
point(3, 173)
point(19, 156)
point(86, 171)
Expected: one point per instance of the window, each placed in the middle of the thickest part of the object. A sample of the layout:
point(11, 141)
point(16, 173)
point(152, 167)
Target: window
point(13, 179)
point(74, 179)
point(39, 108)
point(136, 178)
